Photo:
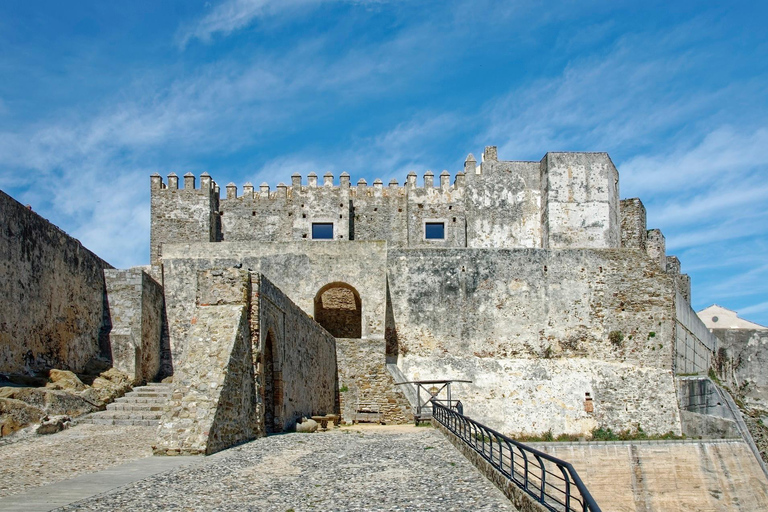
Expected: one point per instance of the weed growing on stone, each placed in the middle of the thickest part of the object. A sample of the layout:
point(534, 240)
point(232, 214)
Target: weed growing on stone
point(616, 337)
point(343, 389)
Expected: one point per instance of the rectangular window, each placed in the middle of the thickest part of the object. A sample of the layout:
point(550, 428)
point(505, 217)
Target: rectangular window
point(434, 231)
point(322, 230)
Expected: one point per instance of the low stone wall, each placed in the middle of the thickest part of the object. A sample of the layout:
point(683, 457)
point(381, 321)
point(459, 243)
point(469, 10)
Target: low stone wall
point(52, 310)
point(363, 377)
point(135, 308)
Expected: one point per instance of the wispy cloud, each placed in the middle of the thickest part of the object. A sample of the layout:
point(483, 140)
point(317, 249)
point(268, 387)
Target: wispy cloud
point(760, 307)
point(232, 15)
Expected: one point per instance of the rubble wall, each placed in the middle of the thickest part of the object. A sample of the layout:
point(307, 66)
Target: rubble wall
point(363, 377)
point(52, 308)
point(226, 381)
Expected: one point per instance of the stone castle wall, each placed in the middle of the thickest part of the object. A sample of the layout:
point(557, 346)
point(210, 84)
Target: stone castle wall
point(214, 402)
point(52, 308)
point(136, 311)
point(536, 331)
point(181, 214)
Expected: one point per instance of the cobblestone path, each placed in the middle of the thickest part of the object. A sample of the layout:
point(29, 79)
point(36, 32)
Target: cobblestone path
point(388, 469)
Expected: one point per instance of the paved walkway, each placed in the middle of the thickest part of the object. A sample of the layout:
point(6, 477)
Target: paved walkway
point(350, 469)
point(53, 496)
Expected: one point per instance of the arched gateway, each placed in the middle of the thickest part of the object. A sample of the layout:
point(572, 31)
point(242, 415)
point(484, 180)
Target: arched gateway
point(339, 310)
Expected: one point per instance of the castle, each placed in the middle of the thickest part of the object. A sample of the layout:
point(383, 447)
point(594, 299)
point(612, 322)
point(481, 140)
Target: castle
point(532, 280)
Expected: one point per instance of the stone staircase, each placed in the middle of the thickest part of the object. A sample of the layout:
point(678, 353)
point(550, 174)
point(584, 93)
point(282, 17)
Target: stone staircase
point(143, 407)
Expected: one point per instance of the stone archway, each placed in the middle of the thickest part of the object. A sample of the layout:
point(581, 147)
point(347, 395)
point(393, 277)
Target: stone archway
point(338, 308)
point(273, 386)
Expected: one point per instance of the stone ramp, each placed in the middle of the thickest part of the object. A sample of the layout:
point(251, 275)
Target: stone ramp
point(141, 407)
point(650, 476)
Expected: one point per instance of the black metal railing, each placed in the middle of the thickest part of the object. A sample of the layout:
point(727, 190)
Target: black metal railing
point(550, 481)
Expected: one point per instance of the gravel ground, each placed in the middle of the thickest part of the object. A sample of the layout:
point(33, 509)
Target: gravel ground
point(32, 460)
point(356, 469)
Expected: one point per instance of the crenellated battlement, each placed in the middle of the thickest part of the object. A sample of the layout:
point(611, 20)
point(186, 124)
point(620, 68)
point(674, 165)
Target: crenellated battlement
point(565, 200)
point(310, 183)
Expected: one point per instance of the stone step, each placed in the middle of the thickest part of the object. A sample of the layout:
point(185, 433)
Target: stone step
point(124, 422)
point(142, 399)
point(125, 406)
point(147, 394)
point(141, 407)
point(127, 415)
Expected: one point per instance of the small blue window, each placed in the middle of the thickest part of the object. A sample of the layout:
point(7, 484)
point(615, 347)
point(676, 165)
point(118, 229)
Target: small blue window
point(322, 230)
point(434, 230)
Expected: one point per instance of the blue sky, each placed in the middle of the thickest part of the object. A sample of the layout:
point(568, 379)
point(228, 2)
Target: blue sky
point(96, 96)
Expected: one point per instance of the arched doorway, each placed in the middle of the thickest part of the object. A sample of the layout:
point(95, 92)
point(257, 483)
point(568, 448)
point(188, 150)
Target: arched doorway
point(273, 392)
point(339, 310)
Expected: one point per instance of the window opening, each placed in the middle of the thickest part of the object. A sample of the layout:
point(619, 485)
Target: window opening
point(434, 230)
point(322, 230)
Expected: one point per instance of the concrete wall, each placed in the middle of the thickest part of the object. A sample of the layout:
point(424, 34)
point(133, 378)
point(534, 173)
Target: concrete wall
point(52, 309)
point(136, 310)
point(695, 345)
point(299, 270)
point(704, 410)
point(660, 476)
point(533, 330)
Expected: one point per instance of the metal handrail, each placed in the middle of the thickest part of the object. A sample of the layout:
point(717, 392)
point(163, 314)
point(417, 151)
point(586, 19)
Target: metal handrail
point(548, 480)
